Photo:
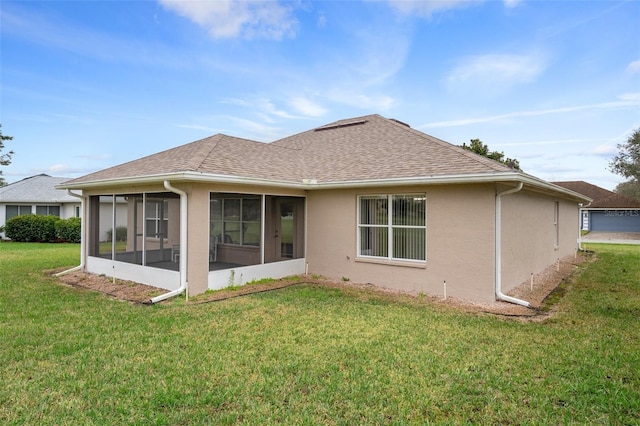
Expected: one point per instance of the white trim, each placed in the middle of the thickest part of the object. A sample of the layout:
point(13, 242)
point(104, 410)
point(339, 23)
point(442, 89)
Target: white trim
point(240, 276)
point(310, 184)
point(157, 277)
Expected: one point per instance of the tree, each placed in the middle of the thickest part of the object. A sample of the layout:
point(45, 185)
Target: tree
point(5, 159)
point(482, 149)
point(630, 188)
point(627, 162)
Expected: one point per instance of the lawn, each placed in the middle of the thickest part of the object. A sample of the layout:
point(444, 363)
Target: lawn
point(313, 355)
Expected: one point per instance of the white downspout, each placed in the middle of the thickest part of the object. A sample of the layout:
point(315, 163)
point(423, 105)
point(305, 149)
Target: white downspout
point(582, 210)
point(183, 246)
point(80, 267)
point(498, 249)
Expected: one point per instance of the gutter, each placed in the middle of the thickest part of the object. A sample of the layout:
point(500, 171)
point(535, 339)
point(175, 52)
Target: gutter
point(183, 244)
point(498, 249)
point(80, 267)
point(311, 184)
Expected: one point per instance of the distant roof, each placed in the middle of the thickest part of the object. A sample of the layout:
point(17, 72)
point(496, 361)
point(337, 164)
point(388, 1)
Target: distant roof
point(36, 189)
point(357, 151)
point(602, 198)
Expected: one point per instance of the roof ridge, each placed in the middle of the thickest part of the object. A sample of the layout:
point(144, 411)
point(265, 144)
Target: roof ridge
point(217, 136)
point(496, 165)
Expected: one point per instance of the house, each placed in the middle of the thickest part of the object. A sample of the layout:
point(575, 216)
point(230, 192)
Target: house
point(367, 199)
point(39, 195)
point(608, 212)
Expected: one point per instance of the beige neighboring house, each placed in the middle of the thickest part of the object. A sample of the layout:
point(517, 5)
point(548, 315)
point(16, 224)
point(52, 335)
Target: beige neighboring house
point(367, 199)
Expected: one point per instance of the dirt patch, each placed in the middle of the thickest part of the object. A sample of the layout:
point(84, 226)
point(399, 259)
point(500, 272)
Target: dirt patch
point(119, 289)
point(544, 284)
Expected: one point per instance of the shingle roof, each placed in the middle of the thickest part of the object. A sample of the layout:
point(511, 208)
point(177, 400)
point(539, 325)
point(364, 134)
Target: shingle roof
point(362, 148)
point(602, 198)
point(34, 189)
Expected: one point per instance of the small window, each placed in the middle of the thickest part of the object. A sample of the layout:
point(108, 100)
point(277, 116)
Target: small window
point(48, 210)
point(392, 226)
point(13, 211)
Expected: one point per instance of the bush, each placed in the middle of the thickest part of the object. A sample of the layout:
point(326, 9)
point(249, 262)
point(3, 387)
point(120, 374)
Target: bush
point(43, 229)
point(121, 234)
point(69, 230)
point(31, 228)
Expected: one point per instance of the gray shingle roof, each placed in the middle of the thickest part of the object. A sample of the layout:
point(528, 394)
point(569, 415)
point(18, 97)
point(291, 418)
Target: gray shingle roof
point(36, 189)
point(357, 149)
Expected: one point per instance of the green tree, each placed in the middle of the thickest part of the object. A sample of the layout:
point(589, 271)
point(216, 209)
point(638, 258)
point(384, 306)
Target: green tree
point(627, 162)
point(5, 159)
point(480, 148)
point(630, 188)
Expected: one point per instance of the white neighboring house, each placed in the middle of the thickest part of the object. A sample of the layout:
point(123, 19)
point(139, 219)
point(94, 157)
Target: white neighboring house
point(38, 195)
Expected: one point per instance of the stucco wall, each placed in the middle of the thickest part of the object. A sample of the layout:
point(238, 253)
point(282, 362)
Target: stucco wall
point(460, 241)
point(528, 234)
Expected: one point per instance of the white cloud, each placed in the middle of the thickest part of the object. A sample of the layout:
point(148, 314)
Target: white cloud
point(234, 18)
point(634, 67)
point(496, 71)
point(307, 107)
point(426, 8)
point(605, 150)
point(510, 4)
point(359, 100)
point(624, 101)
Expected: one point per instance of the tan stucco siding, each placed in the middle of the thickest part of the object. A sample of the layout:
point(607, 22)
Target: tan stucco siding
point(460, 241)
point(529, 235)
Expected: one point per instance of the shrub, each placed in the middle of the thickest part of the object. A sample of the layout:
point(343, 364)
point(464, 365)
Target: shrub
point(31, 228)
point(121, 234)
point(43, 229)
point(69, 230)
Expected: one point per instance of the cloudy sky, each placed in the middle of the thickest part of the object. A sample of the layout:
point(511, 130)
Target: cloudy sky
point(86, 85)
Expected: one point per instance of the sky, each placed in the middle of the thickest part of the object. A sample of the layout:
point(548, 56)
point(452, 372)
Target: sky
point(86, 85)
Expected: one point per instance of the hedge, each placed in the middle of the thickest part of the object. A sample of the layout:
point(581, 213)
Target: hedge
point(44, 229)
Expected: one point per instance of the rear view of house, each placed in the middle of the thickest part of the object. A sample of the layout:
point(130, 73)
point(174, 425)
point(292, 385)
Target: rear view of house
point(368, 198)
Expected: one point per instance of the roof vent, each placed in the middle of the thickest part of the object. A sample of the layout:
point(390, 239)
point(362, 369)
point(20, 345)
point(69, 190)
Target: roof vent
point(400, 122)
point(340, 124)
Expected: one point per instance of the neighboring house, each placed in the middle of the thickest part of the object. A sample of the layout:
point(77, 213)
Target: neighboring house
point(367, 199)
point(608, 212)
point(39, 195)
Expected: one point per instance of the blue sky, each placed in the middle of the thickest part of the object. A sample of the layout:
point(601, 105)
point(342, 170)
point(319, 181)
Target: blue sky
point(86, 85)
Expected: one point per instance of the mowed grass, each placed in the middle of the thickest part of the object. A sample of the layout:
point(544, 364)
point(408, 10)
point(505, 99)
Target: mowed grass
point(313, 355)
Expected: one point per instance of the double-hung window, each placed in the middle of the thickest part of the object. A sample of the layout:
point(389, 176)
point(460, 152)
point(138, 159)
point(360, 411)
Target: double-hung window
point(392, 226)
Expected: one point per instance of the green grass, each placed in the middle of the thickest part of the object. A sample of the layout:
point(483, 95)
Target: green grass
point(313, 355)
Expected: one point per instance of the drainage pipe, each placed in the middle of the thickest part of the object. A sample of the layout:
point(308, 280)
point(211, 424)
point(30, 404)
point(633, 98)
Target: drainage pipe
point(80, 267)
point(498, 249)
point(183, 246)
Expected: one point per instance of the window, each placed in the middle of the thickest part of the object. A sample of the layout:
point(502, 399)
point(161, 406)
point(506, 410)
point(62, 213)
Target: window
point(235, 219)
point(392, 226)
point(157, 219)
point(13, 211)
point(48, 210)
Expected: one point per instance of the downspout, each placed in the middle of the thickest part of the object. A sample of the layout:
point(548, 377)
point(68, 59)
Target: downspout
point(80, 267)
point(183, 246)
point(498, 249)
point(582, 208)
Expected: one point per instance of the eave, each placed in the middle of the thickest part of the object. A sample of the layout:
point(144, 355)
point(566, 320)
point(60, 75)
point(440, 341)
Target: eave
point(530, 182)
